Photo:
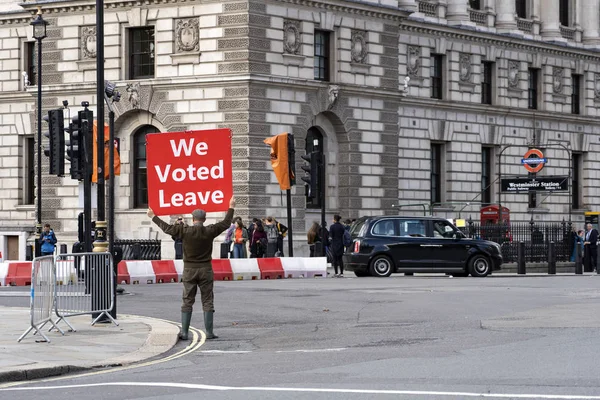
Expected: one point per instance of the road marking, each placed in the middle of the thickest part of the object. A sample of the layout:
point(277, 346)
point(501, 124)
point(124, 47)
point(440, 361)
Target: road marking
point(312, 350)
point(317, 390)
point(198, 340)
point(225, 352)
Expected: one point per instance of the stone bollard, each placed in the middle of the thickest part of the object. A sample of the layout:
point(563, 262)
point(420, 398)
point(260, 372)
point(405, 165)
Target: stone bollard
point(578, 260)
point(521, 259)
point(551, 258)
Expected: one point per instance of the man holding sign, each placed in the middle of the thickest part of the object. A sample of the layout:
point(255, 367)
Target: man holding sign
point(192, 172)
point(197, 267)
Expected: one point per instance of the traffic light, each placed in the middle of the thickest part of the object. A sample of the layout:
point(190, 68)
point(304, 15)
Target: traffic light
point(292, 158)
point(75, 148)
point(56, 137)
point(311, 177)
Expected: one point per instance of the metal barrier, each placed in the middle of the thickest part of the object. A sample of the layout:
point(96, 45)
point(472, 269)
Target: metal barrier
point(84, 285)
point(138, 249)
point(43, 284)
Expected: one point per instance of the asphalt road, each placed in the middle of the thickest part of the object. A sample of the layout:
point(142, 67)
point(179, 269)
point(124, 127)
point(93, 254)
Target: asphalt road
point(421, 337)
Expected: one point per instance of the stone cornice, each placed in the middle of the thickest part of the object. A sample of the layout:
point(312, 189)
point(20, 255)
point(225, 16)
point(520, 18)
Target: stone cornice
point(500, 41)
point(62, 6)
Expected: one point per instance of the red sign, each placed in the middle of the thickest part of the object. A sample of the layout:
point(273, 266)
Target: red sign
point(534, 160)
point(189, 170)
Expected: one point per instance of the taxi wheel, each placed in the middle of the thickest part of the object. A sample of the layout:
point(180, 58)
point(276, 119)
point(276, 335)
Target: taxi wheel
point(381, 266)
point(479, 266)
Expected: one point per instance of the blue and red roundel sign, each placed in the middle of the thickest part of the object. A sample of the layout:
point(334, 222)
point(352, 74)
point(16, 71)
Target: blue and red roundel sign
point(534, 160)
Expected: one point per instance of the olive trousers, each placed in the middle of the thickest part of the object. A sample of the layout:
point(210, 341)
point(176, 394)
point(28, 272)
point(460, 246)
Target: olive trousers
point(198, 277)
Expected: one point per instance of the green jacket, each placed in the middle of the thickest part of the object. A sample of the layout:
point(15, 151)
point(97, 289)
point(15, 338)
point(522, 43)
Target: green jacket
point(197, 239)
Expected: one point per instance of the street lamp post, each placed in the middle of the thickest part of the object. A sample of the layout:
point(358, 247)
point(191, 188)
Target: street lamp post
point(39, 33)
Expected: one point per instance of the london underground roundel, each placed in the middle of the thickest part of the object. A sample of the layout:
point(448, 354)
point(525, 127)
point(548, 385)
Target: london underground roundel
point(534, 160)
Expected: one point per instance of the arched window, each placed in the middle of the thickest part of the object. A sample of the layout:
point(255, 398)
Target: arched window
point(140, 175)
point(314, 142)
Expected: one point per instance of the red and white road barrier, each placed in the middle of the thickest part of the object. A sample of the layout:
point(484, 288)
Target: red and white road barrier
point(165, 271)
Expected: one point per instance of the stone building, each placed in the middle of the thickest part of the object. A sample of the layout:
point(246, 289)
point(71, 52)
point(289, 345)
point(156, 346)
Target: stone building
point(486, 77)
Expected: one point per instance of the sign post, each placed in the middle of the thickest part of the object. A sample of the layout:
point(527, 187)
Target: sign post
point(189, 170)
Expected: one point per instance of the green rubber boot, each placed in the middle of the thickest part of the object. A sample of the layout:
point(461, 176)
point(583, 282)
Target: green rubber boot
point(186, 318)
point(208, 325)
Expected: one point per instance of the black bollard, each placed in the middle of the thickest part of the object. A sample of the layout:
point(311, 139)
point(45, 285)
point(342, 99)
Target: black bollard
point(521, 259)
point(63, 248)
point(578, 263)
point(551, 259)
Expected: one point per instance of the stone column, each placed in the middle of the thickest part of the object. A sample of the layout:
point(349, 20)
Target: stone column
point(457, 12)
point(408, 5)
point(589, 21)
point(550, 20)
point(505, 16)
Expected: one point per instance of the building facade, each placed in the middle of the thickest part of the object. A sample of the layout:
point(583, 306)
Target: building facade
point(487, 80)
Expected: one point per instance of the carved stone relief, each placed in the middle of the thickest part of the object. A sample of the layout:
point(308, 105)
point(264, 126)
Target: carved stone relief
point(359, 47)
point(465, 67)
point(333, 93)
point(513, 74)
point(133, 94)
point(557, 80)
point(88, 41)
point(291, 37)
point(414, 62)
point(187, 35)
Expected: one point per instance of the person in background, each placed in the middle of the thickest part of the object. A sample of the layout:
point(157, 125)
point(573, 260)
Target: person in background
point(228, 240)
point(178, 242)
point(258, 241)
point(272, 236)
point(336, 233)
point(240, 237)
point(197, 264)
point(577, 241)
point(47, 241)
point(591, 247)
point(282, 232)
point(313, 238)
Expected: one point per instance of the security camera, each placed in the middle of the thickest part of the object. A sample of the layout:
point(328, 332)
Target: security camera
point(85, 104)
point(26, 82)
point(65, 103)
point(407, 79)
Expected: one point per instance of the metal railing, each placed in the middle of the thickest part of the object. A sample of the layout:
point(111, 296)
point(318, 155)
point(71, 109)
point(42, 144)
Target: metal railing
point(43, 285)
point(84, 285)
point(537, 237)
point(134, 249)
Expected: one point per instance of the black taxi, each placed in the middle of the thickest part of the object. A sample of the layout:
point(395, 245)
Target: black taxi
point(386, 244)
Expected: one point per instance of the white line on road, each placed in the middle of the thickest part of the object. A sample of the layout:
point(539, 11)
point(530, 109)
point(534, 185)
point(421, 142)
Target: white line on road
point(226, 352)
point(317, 390)
point(312, 350)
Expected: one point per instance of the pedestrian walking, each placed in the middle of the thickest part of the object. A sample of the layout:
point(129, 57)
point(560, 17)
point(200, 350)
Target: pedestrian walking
point(197, 268)
point(47, 241)
point(336, 233)
point(591, 248)
point(281, 234)
point(178, 243)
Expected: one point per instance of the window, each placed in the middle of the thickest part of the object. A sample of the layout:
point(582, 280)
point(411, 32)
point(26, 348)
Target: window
point(486, 175)
point(141, 53)
point(386, 227)
point(436, 172)
point(486, 83)
point(413, 228)
point(521, 8)
point(576, 181)
point(475, 4)
point(31, 62)
point(29, 171)
point(533, 89)
point(576, 93)
point(140, 183)
point(321, 58)
point(443, 229)
point(314, 142)
point(563, 12)
point(436, 76)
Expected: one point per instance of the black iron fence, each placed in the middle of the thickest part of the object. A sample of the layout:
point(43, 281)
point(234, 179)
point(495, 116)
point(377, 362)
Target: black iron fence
point(536, 235)
point(139, 249)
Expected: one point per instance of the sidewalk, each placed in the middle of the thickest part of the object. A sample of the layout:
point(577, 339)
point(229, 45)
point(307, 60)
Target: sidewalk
point(135, 339)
